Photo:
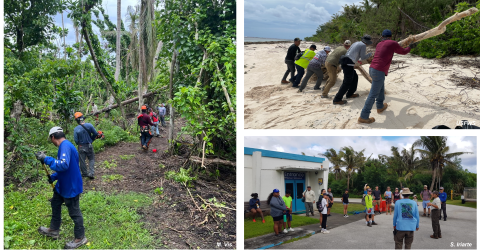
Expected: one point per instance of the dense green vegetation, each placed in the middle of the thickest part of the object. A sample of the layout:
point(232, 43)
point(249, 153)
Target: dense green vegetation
point(406, 18)
point(28, 209)
point(427, 162)
point(183, 51)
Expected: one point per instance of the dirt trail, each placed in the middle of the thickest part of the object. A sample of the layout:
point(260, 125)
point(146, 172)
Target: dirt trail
point(172, 217)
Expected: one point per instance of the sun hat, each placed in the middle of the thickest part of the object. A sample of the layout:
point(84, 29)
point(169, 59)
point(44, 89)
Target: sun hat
point(367, 39)
point(406, 191)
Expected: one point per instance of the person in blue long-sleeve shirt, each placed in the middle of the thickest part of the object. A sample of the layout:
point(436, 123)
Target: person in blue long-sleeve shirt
point(84, 135)
point(443, 199)
point(67, 190)
point(406, 220)
point(277, 209)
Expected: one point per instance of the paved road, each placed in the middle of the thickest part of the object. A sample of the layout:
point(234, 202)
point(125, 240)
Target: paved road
point(461, 226)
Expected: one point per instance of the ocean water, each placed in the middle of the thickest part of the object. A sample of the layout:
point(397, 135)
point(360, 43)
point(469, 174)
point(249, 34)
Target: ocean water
point(262, 39)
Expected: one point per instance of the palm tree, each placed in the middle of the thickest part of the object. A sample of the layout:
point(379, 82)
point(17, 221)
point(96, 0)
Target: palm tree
point(435, 151)
point(351, 160)
point(333, 157)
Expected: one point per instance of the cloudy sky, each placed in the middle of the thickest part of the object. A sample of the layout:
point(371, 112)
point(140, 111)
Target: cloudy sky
point(110, 7)
point(289, 19)
point(312, 146)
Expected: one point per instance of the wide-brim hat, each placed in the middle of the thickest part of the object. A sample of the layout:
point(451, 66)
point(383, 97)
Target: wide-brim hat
point(367, 39)
point(406, 191)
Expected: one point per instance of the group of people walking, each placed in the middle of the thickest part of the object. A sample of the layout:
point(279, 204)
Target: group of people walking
point(347, 57)
point(148, 121)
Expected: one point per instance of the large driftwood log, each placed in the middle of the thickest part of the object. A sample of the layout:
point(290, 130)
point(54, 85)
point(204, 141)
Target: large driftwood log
point(437, 30)
point(427, 34)
point(212, 161)
point(128, 101)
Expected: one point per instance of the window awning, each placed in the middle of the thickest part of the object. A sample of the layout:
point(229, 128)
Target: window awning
point(300, 168)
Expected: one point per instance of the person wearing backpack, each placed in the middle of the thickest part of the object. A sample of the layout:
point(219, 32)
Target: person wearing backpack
point(324, 212)
point(84, 135)
point(290, 60)
point(319, 202)
point(301, 64)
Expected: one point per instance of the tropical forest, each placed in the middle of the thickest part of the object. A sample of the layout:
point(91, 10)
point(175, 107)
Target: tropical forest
point(112, 65)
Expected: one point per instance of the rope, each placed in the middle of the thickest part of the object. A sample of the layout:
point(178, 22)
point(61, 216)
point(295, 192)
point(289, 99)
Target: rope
point(425, 28)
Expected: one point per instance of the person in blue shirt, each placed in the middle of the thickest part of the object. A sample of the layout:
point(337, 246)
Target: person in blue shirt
point(443, 199)
point(406, 220)
point(255, 207)
point(84, 135)
point(67, 190)
point(161, 113)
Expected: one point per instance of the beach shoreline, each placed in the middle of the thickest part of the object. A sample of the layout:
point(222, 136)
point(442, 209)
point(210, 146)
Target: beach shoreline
point(420, 94)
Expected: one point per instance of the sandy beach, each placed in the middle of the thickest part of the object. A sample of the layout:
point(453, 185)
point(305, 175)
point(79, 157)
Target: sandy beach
point(418, 92)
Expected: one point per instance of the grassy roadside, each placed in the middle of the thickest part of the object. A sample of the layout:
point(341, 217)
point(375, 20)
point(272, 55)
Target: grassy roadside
point(459, 203)
point(111, 220)
point(254, 229)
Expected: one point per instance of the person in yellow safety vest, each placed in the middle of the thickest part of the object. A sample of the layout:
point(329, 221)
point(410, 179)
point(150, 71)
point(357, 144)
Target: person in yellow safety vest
point(302, 63)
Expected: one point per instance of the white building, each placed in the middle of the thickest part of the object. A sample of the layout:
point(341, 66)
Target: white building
point(266, 170)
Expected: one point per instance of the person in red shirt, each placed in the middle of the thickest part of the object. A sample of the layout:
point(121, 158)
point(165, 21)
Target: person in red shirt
point(378, 70)
point(154, 117)
point(145, 122)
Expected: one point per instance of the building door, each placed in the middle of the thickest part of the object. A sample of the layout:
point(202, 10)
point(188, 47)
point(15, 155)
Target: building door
point(295, 182)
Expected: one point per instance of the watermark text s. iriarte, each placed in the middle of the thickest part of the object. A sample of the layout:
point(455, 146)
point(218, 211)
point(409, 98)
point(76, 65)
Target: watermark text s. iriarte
point(465, 122)
point(460, 244)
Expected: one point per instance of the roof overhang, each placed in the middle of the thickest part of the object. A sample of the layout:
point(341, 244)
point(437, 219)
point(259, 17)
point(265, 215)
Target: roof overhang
point(300, 168)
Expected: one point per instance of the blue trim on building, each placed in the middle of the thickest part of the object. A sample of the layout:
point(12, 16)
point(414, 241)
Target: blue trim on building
point(281, 155)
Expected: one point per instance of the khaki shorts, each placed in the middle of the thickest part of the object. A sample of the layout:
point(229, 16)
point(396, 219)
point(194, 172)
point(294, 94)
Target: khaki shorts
point(376, 202)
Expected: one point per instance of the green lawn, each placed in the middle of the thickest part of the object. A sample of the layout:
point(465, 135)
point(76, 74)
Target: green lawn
point(254, 229)
point(111, 220)
point(459, 203)
point(338, 207)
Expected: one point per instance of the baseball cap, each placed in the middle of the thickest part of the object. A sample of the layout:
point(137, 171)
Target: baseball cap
point(296, 39)
point(276, 190)
point(347, 42)
point(367, 39)
point(435, 192)
point(313, 46)
point(441, 188)
point(327, 48)
point(54, 130)
point(424, 185)
point(387, 33)
point(309, 186)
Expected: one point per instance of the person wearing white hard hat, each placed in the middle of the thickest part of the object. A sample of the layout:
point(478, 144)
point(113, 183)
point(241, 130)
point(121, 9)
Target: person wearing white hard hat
point(67, 190)
point(333, 66)
point(315, 67)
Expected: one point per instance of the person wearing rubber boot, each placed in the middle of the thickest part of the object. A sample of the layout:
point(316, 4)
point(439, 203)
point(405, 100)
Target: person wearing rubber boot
point(315, 67)
point(290, 60)
point(84, 135)
point(356, 52)
point(145, 122)
point(302, 63)
point(67, 190)
point(378, 71)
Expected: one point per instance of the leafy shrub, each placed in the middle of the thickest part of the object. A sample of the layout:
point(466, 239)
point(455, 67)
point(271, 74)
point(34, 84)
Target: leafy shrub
point(183, 176)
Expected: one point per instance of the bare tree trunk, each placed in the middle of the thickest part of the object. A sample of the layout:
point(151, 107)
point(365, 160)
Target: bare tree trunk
point(64, 45)
point(109, 85)
point(119, 44)
point(142, 71)
point(170, 97)
point(434, 176)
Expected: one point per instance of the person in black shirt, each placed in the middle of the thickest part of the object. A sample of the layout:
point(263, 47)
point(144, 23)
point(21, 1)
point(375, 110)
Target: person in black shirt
point(345, 203)
point(377, 197)
point(290, 60)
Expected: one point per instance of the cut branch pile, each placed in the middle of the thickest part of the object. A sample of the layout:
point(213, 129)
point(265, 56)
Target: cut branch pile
point(465, 82)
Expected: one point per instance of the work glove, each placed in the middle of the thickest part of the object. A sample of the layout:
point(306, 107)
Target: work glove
point(50, 180)
point(41, 156)
point(413, 45)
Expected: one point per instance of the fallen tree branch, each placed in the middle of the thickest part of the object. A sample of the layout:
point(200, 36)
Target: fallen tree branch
point(212, 161)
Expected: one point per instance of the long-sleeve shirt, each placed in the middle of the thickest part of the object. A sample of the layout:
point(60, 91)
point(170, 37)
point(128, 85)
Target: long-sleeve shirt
point(334, 57)
point(292, 51)
point(82, 136)
point(144, 120)
point(277, 206)
point(406, 216)
point(319, 59)
point(443, 196)
point(253, 203)
point(309, 196)
point(358, 51)
point(162, 111)
point(384, 54)
point(67, 170)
